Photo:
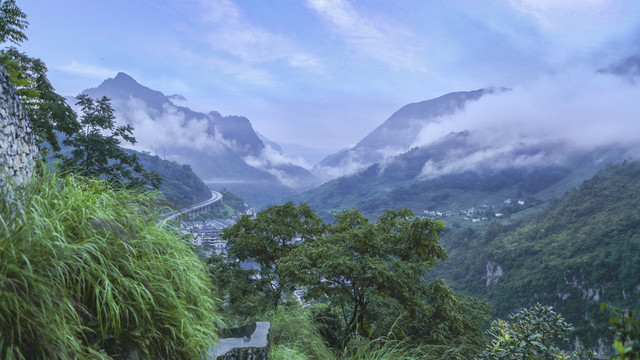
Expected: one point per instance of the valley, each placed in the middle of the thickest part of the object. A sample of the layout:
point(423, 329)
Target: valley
point(489, 194)
point(349, 180)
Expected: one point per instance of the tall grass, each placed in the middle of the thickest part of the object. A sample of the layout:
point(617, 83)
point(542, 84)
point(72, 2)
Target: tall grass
point(295, 335)
point(87, 272)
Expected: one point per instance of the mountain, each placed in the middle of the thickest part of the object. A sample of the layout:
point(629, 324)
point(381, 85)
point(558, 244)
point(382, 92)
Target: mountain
point(180, 185)
point(224, 151)
point(472, 148)
point(412, 179)
point(463, 169)
point(580, 251)
point(275, 146)
point(397, 134)
point(628, 68)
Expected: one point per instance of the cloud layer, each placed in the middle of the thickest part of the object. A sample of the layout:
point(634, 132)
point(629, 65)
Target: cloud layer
point(542, 122)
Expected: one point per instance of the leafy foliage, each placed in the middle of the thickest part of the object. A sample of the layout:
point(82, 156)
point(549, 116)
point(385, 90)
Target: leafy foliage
point(13, 22)
point(359, 263)
point(48, 111)
point(625, 327)
point(371, 275)
point(271, 236)
point(532, 333)
point(96, 152)
point(295, 334)
point(87, 272)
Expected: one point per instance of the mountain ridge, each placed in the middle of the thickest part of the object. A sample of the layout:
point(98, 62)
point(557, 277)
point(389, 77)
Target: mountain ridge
point(224, 151)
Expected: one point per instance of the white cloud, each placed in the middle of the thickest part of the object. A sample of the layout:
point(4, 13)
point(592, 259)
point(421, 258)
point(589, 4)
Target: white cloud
point(91, 71)
point(168, 129)
point(270, 160)
point(578, 110)
point(378, 38)
point(229, 32)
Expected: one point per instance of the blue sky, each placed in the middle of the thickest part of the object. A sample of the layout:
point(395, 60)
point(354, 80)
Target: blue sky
point(323, 73)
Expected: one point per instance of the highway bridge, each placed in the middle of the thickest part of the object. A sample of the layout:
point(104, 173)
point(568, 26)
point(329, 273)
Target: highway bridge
point(195, 209)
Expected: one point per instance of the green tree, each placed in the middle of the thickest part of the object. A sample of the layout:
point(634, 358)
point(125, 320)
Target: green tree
point(49, 113)
point(374, 273)
point(532, 333)
point(96, 152)
point(13, 22)
point(269, 237)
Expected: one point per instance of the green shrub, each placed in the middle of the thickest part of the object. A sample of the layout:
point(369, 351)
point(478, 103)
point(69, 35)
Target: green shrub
point(87, 271)
point(532, 333)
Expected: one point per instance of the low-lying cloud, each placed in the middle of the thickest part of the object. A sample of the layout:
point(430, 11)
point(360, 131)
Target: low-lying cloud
point(578, 110)
point(168, 129)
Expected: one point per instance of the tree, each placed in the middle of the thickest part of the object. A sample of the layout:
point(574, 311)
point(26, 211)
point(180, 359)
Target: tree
point(13, 22)
point(532, 333)
point(373, 272)
point(49, 113)
point(270, 237)
point(96, 152)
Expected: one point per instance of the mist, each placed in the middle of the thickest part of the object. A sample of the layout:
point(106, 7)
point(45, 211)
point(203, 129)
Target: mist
point(188, 138)
point(539, 123)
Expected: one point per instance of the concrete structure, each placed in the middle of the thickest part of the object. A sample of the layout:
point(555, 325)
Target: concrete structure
point(195, 209)
point(249, 342)
point(18, 148)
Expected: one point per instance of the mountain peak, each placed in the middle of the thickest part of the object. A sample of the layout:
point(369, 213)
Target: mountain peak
point(124, 87)
point(123, 77)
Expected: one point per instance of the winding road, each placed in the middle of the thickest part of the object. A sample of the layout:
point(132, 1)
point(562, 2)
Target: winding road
point(215, 196)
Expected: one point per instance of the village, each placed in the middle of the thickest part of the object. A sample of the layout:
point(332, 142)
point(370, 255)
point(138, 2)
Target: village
point(207, 232)
point(473, 214)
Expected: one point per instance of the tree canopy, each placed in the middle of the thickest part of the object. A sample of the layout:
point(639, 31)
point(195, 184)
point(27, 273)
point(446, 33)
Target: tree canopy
point(373, 275)
point(269, 237)
point(96, 152)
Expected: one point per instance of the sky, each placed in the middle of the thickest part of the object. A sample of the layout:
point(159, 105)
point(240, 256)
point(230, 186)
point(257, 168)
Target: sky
point(322, 74)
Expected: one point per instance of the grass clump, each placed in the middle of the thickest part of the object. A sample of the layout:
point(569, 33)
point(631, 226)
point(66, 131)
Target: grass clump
point(87, 272)
point(295, 334)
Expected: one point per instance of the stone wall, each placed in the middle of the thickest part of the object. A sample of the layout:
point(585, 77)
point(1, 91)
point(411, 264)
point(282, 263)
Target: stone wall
point(18, 148)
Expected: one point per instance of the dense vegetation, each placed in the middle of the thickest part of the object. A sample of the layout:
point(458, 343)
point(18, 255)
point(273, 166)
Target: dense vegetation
point(398, 186)
point(582, 250)
point(180, 185)
point(367, 279)
point(86, 271)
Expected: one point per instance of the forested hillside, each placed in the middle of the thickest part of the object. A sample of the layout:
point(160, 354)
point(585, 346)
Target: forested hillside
point(180, 184)
point(584, 249)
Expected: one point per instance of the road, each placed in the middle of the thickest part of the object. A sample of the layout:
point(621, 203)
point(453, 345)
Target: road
point(215, 196)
